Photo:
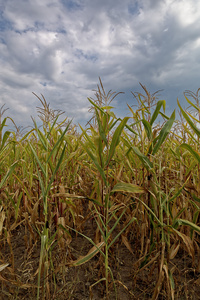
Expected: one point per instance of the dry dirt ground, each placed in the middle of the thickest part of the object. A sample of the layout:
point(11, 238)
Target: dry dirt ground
point(76, 282)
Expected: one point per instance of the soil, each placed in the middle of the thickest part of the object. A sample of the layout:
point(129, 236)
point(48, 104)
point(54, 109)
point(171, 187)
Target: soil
point(19, 279)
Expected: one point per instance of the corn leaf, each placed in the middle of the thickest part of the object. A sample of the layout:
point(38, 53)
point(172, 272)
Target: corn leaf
point(58, 142)
point(41, 136)
point(148, 129)
point(196, 198)
point(186, 239)
point(194, 153)
point(187, 223)
point(157, 110)
point(83, 259)
point(26, 135)
point(5, 137)
point(40, 181)
point(95, 161)
point(97, 107)
point(192, 104)
point(116, 139)
point(3, 123)
point(37, 159)
point(48, 135)
point(3, 266)
point(101, 130)
point(9, 172)
point(128, 187)
point(124, 228)
point(117, 221)
point(56, 169)
point(192, 125)
point(86, 237)
point(144, 159)
point(164, 132)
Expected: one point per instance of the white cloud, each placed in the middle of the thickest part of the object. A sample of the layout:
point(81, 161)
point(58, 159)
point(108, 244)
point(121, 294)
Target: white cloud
point(186, 12)
point(60, 48)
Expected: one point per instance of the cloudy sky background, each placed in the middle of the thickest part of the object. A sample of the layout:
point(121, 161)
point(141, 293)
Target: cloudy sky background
point(60, 48)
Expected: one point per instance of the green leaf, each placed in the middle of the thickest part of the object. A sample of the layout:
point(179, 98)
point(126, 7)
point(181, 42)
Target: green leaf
point(101, 130)
point(117, 221)
point(128, 187)
point(157, 110)
point(192, 104)
point(196, 198)
point(99, 150)
point(41, 136)
point(98, 223)
point(196, 130)
point(17, 205)
point(84, 133)
point(176, 194)
point(95, 161)
point(41, 182)
point(52, 127)
point(143, 105)
point(164, 116)
point(164, 132)
point(112, 123)
point(58, 141)
point(8, 174)
point(97, 107)
point(147, 128)
point(131, 188)
point(192, 151)
point(93, 251)
point(192, 116)
point(187, 223)
point(5, 137)
point(37, 159)
point(144, 159)
point(172, 284)
point(124, 228)
point(131, 130)
point(116, 139)
point(3, 124)
point(101, 244)
point(56, 169)
point(27, 134)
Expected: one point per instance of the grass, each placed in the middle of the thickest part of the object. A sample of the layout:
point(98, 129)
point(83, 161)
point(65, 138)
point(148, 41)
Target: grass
point(130, 183)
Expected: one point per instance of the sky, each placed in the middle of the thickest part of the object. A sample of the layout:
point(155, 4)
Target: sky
point(60, 48)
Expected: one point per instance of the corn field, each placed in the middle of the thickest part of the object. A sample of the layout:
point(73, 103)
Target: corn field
point(109, 211)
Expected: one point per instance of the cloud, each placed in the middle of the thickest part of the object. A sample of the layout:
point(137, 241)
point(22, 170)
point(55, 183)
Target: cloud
point(60, 48)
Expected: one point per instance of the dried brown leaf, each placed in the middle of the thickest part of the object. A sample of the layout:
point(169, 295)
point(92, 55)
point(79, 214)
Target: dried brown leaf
point(2, 218)
point(187, 241)
point(126, 243)
point(174, 250)
point(34, 213)
point(67, 195)
point(83, 259)
point(3, 266)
